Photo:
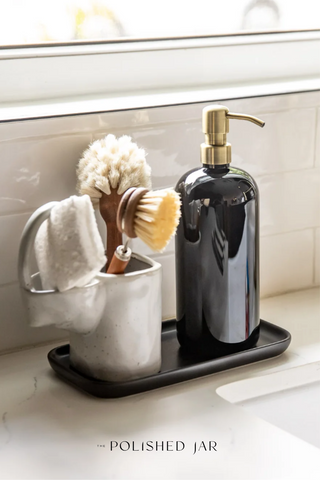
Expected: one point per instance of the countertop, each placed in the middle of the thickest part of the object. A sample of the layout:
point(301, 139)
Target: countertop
point(49, 430)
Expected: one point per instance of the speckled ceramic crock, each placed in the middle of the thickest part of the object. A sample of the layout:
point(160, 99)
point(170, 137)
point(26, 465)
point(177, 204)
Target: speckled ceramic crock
point(126, 344)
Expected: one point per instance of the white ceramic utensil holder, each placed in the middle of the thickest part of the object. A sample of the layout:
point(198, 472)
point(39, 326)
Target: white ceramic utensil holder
point(114, 321)
point(127, 341)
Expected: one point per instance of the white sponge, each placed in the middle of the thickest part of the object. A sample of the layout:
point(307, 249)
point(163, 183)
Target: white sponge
point(68, 246)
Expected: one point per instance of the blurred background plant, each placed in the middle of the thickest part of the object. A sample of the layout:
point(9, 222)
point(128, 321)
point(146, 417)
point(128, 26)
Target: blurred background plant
point(36, 21)
point(94, 19)
point(64, 21)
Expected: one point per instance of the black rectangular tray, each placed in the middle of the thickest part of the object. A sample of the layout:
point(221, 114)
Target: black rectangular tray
point(176, 366)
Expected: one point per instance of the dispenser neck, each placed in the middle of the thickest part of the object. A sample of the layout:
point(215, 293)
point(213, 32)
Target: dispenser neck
point(218, 169)
point(215, 154)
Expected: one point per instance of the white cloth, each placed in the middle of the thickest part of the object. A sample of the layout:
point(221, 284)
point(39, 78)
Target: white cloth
point(68, 246)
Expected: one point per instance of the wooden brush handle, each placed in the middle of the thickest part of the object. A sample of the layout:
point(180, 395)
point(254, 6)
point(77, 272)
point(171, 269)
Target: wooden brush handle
point(108, 206)
point(119, 260)
point(122, 207)
point(116, 265)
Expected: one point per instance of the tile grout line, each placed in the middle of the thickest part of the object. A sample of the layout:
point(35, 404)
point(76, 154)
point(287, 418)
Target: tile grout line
point(287, 292)
point(44, 137)
point(54, 343)
point(284, 172)
point(315, 139)
point(314, 256)
point(303, 229)
point(158, 256)
point(258, 176)
point(9, 284)
point(284, 110)
point(19, 213)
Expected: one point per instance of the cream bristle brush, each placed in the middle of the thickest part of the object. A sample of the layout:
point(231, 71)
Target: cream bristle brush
point(153, 216)
point(107, 169)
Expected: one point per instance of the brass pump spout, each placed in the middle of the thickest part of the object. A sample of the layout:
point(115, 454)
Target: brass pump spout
point(250, 118)
point(215, 126)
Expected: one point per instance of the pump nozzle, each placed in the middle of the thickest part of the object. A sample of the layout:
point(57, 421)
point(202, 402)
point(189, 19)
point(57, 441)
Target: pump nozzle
point(215, 126)
point(250, 118)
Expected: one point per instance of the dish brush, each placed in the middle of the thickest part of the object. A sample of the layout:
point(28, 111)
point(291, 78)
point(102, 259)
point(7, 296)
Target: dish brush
point(106, 170)
point(153, 216)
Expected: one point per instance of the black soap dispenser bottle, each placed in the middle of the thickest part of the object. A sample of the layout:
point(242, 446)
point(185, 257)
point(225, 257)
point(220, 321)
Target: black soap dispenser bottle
point(217, 247)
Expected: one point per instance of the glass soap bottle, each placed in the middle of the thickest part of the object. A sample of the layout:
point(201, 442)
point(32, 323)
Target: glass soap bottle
point(217, 247)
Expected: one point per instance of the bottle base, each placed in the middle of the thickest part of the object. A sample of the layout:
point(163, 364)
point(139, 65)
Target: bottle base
point(208, 347)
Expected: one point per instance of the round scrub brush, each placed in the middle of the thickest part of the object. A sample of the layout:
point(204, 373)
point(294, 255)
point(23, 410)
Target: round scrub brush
point(107, 169)
point(151, 216)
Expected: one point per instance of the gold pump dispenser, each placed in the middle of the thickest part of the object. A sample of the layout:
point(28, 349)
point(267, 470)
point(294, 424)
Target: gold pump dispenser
point(215, 126)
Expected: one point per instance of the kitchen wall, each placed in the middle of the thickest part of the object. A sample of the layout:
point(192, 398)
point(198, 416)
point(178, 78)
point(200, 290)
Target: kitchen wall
point(38, 160)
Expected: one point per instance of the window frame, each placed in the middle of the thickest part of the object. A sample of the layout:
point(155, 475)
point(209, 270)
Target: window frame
point(123, 70)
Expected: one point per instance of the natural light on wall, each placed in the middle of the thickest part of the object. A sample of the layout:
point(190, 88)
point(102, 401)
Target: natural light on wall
point(38, 21)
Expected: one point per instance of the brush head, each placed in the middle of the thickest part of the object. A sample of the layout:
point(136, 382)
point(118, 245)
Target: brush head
point(153, 216)
point(112, 164)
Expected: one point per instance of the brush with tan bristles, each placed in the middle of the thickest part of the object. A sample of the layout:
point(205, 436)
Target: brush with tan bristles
point(153, 216)
point(107, 169)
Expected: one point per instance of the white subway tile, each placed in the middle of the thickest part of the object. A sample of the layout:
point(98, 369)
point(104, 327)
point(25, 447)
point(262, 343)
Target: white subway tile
point(317, 256)
point(317, 152)
point(168, 285)
point(62, 125)
point(289, 201)
point(11, 228)
point(286, 142)
point(37, 171)
point(273, 103)
point(15, 332)
point(172, 149)
point(286, 262)
point(149, 116)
